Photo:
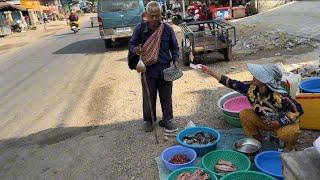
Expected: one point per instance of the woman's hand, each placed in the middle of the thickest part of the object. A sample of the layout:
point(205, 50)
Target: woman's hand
point(174, 63)
point(206, 69)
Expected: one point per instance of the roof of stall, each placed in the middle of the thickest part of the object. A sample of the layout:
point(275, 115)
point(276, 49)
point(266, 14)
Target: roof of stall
point(4, 5)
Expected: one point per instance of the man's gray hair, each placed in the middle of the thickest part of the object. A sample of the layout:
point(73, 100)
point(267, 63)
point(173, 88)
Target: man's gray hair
point(153, 4)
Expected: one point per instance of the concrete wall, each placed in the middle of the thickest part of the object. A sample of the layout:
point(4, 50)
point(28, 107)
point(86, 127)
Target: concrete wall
point(264, 5)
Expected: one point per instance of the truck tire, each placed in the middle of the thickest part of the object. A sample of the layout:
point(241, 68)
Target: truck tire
point(107, 43)
point(227, 53)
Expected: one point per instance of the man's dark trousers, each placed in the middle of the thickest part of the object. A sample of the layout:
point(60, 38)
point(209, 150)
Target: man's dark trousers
point(165, 93)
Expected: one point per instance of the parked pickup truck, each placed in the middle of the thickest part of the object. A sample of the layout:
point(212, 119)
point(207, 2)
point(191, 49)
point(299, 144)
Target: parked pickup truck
point(117, 19)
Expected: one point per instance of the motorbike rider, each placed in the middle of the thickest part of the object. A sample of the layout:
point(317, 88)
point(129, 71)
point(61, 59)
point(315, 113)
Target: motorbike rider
point(73, 18)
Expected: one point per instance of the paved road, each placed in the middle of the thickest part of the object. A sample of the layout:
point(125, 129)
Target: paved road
point(299, 18)
point(42, 84)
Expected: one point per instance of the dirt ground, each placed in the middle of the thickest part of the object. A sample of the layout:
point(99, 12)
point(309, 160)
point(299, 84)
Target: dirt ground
point(113, 144)
point(194, 98)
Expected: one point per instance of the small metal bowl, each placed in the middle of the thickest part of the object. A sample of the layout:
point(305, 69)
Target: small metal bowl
point(248, 146)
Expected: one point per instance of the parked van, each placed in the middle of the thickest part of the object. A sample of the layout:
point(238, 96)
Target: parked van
point(117, 18)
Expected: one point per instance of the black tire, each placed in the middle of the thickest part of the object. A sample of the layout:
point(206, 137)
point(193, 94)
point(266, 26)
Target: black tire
point(227, 53)
point(185, 55)
point(176, 20)
point(107, 43)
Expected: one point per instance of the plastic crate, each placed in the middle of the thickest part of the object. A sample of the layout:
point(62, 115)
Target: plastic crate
point(310, 103)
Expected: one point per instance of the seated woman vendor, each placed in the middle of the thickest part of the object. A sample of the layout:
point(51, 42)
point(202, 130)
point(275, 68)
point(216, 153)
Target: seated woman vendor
point(272, 108)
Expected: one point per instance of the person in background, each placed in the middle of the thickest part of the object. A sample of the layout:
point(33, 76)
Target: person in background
point(45, 18)
point(272, 108)
point(73, 18)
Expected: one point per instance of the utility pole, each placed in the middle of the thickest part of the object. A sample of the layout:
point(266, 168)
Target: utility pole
point(184, 9)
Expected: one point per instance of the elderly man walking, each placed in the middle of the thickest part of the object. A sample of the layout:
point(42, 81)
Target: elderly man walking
point(157, 45)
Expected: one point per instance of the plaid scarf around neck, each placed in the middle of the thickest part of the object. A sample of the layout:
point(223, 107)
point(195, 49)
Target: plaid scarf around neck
point(150, 49)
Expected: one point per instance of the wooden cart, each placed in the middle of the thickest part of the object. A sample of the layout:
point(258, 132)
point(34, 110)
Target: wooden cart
point(206, 37)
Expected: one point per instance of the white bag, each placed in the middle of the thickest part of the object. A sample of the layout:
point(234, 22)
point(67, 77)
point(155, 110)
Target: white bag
point(294, 81)
point(140, 66)
point(316, 144)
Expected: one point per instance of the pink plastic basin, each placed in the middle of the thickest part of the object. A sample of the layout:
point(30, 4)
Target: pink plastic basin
point(236, 104)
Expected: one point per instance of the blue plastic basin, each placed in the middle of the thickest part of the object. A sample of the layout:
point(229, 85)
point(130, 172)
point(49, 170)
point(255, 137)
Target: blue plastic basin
point(310, 85)
point(200, 149)
point(270, 163)
point(169, 152)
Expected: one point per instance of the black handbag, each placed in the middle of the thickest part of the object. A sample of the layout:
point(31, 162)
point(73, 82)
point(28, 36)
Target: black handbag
point(133, 59)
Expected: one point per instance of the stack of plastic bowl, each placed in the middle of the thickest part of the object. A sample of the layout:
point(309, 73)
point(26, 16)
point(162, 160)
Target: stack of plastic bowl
point(200, 149)
point(231, 104)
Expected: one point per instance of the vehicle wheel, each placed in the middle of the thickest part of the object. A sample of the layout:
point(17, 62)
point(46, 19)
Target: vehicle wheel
point(227, 53)
point(107, 43)
point(176, 19)
point(185, 55)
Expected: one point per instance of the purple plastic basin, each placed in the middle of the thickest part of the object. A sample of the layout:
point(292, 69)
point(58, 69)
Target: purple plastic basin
point(169, 152)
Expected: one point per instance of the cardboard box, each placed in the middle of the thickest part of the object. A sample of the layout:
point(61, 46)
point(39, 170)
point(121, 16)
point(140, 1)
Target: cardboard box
point(238, 12)
point(310, 103)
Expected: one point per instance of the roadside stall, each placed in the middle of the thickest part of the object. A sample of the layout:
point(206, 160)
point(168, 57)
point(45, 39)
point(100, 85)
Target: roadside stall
point(11, 18)
point(5, 29)
point(209, 153)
